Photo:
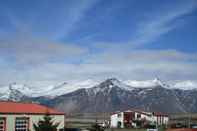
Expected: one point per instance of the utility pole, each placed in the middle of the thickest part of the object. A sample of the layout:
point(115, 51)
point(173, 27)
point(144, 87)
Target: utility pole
point(189, 123)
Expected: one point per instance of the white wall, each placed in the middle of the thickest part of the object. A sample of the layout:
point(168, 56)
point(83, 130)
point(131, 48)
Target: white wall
point(154, 119)
point(10, 120)
point(148, 117)
point(144, 116)
point(115, 119)
point(165, 120)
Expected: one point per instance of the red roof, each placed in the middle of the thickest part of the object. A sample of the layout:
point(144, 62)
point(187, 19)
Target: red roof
point(160, 114)
point(26, 108)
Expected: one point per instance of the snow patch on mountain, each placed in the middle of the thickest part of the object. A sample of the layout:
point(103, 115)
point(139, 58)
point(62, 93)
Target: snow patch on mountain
point(22, 88)
point(120, 84)
point(177, 84)
point(65, 88)
point(14, 92)
point(184, 85)
point(145, 84)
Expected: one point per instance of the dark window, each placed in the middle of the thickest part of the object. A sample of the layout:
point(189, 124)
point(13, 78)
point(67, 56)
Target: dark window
point(22, 124)
point(119, 124)
point(2, 124)
point(138, 115)
point(119, 114)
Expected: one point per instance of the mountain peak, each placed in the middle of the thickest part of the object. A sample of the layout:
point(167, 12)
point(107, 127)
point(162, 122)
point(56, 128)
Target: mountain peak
point(112, 80)
point(113, 83)
point(60, 85)
point(158, 81)
point(15, 86)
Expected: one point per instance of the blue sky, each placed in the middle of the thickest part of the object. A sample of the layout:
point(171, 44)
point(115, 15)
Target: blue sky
point(62, 40)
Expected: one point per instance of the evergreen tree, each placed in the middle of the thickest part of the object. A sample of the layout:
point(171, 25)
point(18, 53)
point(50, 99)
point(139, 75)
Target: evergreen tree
point(46, 124)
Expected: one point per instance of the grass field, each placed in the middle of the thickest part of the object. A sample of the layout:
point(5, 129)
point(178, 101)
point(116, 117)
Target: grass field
point(86, 120)
point(87, 123)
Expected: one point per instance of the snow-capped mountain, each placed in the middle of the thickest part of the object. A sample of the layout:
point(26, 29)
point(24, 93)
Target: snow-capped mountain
point(183, 85)
point(14, 92)
point(64, 87)
point(112, 94)
point(50, 91)
point(108, 85)
point(177, 84)
point(109, 95)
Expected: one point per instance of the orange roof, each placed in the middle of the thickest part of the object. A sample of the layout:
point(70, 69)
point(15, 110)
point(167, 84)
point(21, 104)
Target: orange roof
point(26, 108)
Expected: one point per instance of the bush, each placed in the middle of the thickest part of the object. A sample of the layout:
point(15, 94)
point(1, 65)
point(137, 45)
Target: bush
point(46, 124)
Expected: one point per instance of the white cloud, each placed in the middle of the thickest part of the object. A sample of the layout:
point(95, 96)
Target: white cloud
point(76, 12)
point(27, 59)
point(167, 64)
point(27, 49)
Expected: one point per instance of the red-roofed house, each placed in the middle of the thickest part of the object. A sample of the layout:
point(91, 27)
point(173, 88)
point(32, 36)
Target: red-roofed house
point(131, 118)
point(16, 116)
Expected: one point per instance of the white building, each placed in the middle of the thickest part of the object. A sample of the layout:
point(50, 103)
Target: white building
point(160, 118)
point(21, 116)
point(136, 118)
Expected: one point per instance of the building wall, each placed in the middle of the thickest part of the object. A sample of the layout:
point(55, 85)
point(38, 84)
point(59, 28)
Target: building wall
point(10, 120)
point(144, 116)
point(161, 120)
point(119, 117)
point(115, 118)
point(166, 119)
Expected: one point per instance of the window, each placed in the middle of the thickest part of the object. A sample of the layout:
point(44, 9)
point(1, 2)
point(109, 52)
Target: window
point(138, 115)
point(119, 115)
point(119, 124)
point(2, 124)
point(22, 124)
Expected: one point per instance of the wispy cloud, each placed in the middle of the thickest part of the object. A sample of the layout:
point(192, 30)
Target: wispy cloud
point(51, 19)
point(33, 52)
point(146, 64)
point(161, 22)
point(76, 13)
point(25, 49)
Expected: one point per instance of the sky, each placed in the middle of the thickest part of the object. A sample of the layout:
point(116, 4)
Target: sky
point(49, 41)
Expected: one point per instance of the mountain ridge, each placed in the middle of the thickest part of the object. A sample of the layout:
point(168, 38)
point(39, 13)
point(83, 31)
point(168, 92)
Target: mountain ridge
point(113, 94)
point(65, 87)
point(108, 96)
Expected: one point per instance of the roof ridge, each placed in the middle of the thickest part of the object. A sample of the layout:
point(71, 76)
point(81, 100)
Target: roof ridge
point(27, 108)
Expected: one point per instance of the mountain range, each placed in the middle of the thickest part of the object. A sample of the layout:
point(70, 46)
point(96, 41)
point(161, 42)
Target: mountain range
point(110, 95)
